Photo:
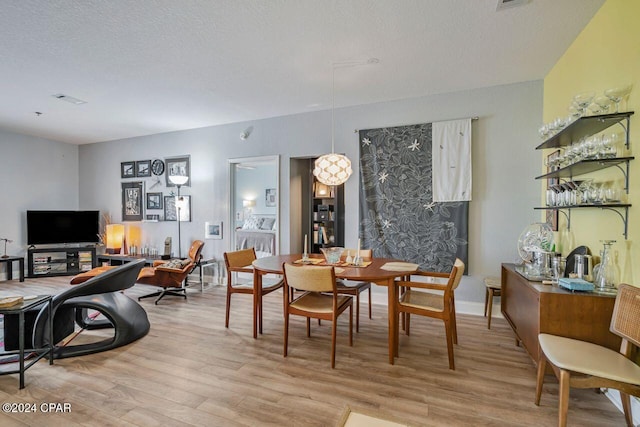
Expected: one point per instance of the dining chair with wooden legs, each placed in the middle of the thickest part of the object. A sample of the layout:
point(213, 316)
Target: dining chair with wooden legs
point(240, 262)
point(440, 305)
point(347, 287)
point(582, 364)
point(320, 300)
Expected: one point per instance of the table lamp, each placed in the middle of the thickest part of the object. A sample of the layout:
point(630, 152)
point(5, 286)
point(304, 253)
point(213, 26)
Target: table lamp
point(115, 236)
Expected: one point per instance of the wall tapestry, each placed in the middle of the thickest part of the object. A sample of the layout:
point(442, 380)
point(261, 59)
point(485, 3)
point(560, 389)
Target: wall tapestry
point(398, 217)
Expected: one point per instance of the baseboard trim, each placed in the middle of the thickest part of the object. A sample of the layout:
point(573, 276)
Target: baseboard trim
point(462, 307)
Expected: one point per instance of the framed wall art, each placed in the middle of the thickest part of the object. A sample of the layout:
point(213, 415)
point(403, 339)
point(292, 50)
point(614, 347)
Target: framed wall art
point(213, 230)
point(154, 200)
point(132, 196)
point(178, 166)
point(270, 197)
point(171, 212)
point(128, 170)
point(143, 168)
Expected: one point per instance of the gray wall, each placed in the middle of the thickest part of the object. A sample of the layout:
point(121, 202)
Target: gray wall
point(504, 165)
point(35, 174)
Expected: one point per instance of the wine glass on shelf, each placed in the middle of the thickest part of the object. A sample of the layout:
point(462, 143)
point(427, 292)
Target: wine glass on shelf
point(583, 100)
point(574, 111)
point(609, 146)
point(617, 94)
point(595, 109)
point(585, 190)
point(590, 148)
point(559, 123)
point(603, 102)
point(544, 131)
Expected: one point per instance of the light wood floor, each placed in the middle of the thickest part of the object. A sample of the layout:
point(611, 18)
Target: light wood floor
point(190, 370)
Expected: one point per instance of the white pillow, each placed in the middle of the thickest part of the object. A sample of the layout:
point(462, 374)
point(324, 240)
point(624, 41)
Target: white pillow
point(252, 223)
point(267, 223)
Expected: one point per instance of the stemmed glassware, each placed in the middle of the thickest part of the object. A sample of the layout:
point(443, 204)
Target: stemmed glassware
point(582, 100)
point(617, 94)
point(604, 103)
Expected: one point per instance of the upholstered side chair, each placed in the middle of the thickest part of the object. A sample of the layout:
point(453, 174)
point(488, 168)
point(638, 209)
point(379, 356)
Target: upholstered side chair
point(438, 303)
point(348, 287)
point(320, 300)
point(239, 264)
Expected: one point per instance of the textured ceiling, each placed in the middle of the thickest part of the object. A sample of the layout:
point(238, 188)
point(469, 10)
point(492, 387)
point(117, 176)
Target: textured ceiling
point(147, 67)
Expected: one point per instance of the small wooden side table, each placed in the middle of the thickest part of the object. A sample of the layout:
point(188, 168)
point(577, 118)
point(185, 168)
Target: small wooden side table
point(20, 310)
point(9, 261)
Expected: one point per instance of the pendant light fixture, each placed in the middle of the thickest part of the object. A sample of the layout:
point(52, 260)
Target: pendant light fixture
point(332, 169)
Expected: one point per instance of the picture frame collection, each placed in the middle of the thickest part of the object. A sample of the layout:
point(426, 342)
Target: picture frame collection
point(153, 206)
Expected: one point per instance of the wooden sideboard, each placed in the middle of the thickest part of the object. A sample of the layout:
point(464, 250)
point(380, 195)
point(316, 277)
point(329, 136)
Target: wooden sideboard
point(532, 308)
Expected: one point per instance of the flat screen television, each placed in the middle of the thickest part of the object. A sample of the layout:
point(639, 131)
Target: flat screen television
point(51, 227)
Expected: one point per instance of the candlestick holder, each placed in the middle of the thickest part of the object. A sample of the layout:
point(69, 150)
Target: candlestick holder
point(5, 240)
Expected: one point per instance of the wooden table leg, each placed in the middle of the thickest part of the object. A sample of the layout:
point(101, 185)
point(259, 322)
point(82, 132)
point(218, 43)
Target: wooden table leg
point(393, 321)
point(257, 291)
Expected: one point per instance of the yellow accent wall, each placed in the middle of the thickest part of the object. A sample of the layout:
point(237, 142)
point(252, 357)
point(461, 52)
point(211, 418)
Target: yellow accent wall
point(604, 55)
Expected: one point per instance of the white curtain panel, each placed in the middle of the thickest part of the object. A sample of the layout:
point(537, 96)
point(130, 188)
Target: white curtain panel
point(451, 157)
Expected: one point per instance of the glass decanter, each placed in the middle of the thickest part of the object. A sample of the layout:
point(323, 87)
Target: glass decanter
point(607, 276)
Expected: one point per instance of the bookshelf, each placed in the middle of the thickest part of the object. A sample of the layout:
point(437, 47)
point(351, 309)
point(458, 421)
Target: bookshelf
point(327, 215)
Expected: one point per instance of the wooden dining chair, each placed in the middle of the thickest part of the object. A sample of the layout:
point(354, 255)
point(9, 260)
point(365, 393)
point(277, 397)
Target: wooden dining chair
point(240, 262)
point(320, 300)
point(493, 288)
point(595, 365)
point(440, 305)
point(348, 287)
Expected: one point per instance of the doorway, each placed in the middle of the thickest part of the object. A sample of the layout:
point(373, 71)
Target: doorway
point(254, 201)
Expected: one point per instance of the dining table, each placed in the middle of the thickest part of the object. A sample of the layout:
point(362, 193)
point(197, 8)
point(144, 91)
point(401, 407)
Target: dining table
point(378, 271)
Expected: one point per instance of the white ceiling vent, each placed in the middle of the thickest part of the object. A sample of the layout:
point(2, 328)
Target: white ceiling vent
point(506, 4)
point(70, 99)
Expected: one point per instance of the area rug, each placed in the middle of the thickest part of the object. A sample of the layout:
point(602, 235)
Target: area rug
point(358, 419)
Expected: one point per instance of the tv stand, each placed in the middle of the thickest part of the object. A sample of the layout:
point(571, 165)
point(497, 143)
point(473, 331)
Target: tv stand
point(60, 261)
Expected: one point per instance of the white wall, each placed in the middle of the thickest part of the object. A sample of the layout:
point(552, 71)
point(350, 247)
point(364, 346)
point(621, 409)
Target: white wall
point(34, 174)
point(504, 165)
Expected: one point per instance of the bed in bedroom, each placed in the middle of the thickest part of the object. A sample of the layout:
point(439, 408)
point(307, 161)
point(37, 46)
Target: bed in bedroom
point(259, 232)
